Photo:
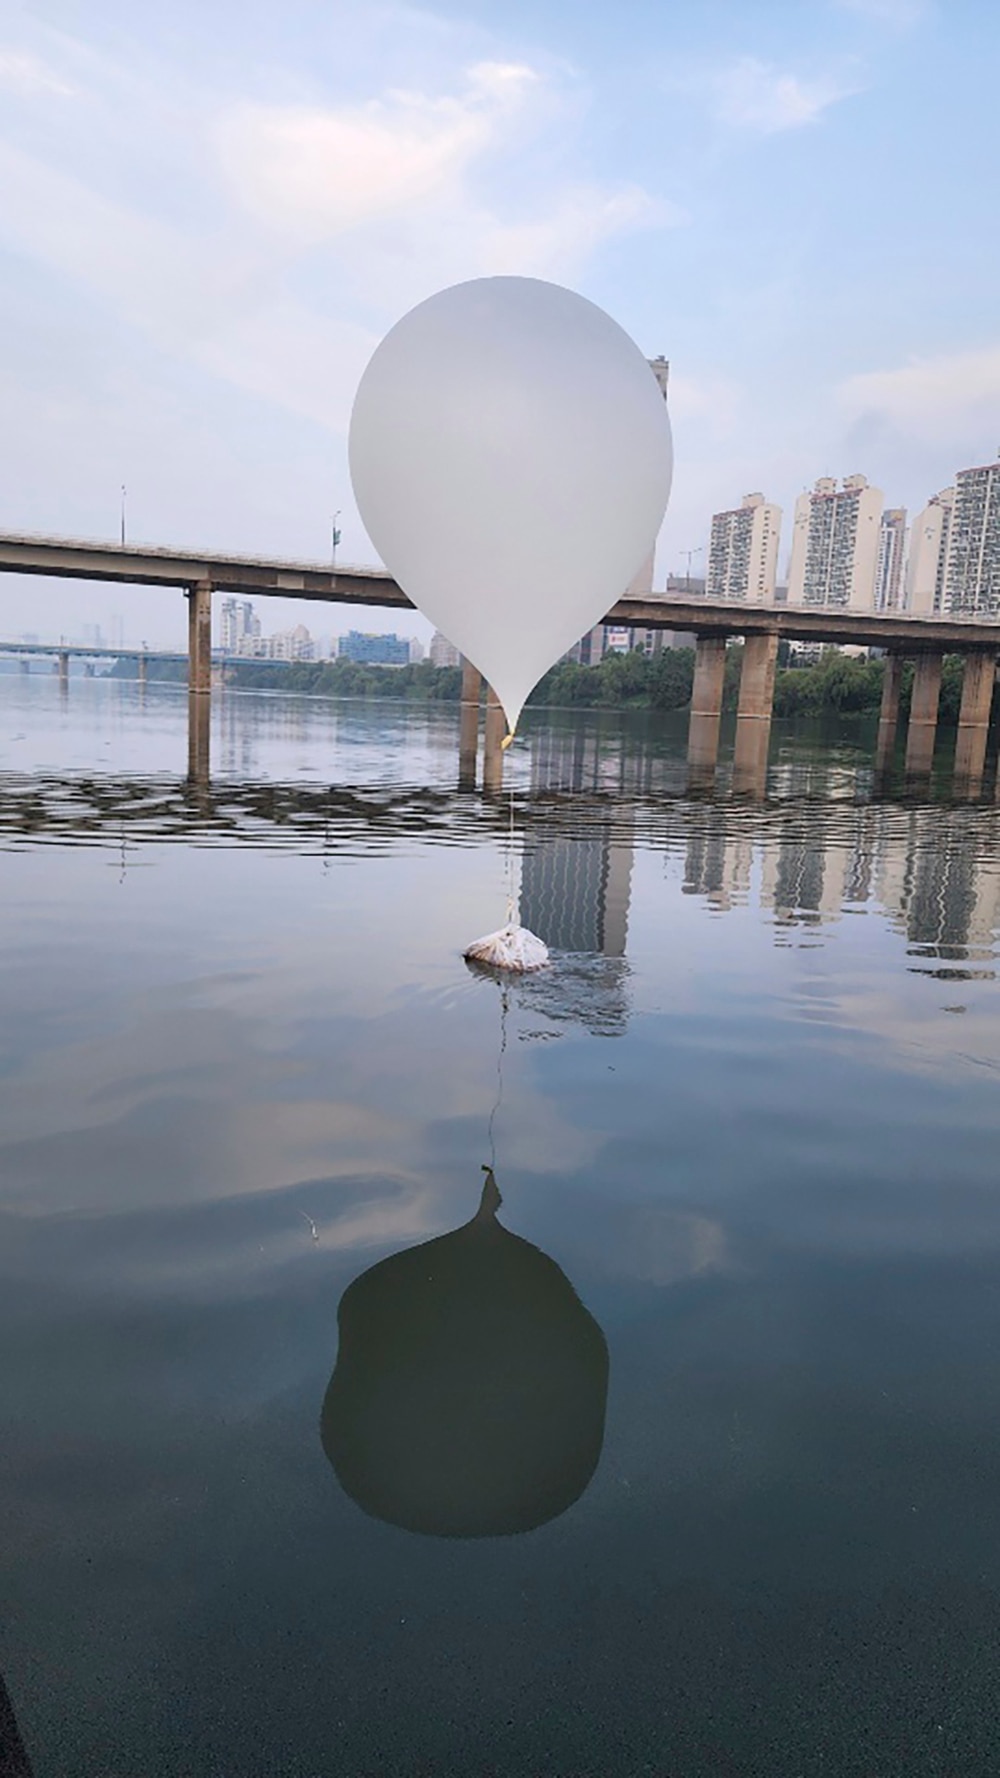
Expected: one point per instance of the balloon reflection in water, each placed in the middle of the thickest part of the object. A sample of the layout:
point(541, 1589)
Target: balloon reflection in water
point(13, 1759)
point(470, 1387)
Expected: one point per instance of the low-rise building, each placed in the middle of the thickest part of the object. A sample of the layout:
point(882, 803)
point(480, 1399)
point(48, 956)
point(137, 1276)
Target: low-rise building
point(374, 650)
point(442, 652)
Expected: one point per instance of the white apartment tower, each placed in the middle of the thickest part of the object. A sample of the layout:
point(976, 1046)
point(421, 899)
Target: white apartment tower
point(889, 566)
point(641, 584)
point(835, 543)
point(927, 567)
point(237, 622)
point(743, 552)
point(972, 574)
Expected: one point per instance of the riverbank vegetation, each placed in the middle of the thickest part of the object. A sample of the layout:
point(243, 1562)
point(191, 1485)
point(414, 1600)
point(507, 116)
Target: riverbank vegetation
point(837, 683)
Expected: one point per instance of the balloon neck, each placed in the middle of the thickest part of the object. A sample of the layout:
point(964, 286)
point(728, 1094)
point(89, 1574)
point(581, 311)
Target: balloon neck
point(505, 743)
point(491, 1200)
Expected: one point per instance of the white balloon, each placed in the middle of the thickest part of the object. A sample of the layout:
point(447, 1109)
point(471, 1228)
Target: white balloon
point(511, 459)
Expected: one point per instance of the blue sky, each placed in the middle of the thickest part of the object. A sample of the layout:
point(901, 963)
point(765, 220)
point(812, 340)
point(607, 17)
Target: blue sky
point(209, 215)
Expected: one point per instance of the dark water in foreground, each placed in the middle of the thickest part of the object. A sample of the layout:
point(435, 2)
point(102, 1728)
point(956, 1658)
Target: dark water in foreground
point(748, 1122)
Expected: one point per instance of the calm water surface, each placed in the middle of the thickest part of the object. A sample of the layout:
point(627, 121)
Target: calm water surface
point(750, 1113)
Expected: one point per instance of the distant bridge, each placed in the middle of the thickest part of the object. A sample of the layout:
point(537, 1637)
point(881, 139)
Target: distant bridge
point(128, 651)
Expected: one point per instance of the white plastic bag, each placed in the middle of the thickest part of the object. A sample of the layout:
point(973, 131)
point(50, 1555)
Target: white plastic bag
point(513, 947)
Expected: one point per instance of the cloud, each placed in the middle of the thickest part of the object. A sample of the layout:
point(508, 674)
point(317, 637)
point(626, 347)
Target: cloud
point(953, 397)
point(715, 403)
point(556, 242)
point(377, 199)
point(755, 96)
point(395, 184)
point(21, 72)
point(314, 173)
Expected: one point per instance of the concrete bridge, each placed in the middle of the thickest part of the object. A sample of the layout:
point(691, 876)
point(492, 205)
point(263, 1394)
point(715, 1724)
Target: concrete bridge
point(925, 640)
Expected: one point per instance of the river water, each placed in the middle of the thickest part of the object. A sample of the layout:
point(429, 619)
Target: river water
point(749, 1115)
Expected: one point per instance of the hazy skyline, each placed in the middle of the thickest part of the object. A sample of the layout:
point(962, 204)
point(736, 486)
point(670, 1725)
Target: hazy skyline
point(209, 217)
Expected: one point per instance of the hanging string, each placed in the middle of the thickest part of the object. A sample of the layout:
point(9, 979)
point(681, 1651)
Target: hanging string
point(511, 899)
point(504, 1003)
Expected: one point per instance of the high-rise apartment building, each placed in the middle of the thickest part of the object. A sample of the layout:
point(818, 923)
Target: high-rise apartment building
point(928, 560)
point(743, 552)
point(889, 565)
point(237, 621)
point(972, 574)
point(641, 584)
point(835, 543)
point(611, 638)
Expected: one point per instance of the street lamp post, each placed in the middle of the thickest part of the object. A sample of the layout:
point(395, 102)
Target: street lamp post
point(688, 553)
point(334, 538)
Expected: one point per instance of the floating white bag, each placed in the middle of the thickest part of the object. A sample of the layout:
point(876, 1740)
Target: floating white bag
point(513, 947)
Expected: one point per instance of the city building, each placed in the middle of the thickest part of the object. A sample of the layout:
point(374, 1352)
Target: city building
point(835, 541)
point(889, 564)
point(374, 650)
point(641, 584)
point(442, 652)
point(972, 575)
point(928, 559)
point(608, 638)
point(285, 645)
point(743, 552)
point(238, 620)
point(613, 639)
point(291, 645)
point(417, 650)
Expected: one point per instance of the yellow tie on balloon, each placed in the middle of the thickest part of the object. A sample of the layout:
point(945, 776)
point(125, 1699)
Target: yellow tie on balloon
point(511, 459)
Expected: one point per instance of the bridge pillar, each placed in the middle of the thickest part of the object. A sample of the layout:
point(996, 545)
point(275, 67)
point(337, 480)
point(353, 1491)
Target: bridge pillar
point(922, 731)
point(199, 599)
point(63, 668)
point(496, 728)
point(199, 737)
point(974, 720)
point(468, 730)
point(706, 710)
point(753, 715)
point(888, 716)
point(143, 664)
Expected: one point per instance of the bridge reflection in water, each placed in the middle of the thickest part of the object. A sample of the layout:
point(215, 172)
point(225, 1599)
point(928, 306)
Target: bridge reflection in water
point(816, 851)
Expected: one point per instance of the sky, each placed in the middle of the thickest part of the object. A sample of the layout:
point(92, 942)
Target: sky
point(210, 215)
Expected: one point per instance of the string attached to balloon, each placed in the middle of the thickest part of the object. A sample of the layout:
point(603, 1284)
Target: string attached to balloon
point(512, 908)
point(491, 1129)
point(513, 947)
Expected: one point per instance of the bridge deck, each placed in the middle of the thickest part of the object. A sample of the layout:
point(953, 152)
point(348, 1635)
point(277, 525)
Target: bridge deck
point(260, 577)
